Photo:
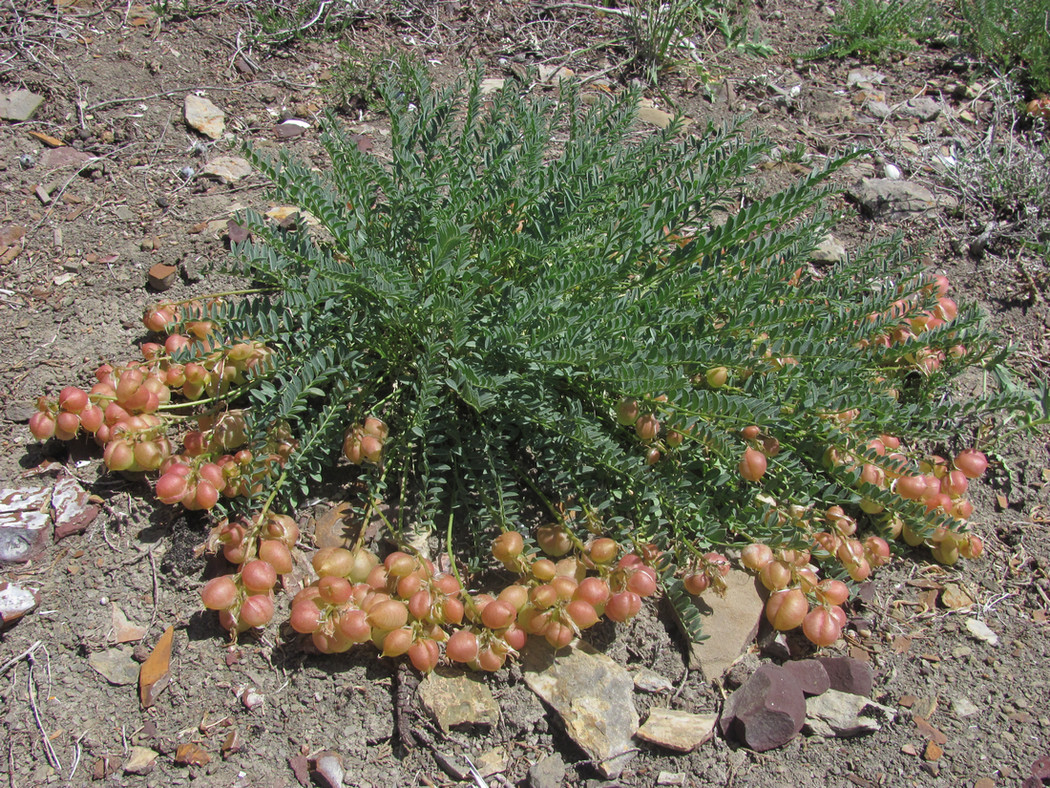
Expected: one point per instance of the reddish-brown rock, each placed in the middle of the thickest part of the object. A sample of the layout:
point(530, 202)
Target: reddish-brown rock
point(849, 675)
point(767, 711)
point(810, 675)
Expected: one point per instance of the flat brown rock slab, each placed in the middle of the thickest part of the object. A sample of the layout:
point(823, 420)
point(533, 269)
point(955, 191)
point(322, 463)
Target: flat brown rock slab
point(458, 699)
point(677, 730)
point(161, 276)
point(732, 621)
point(592, 694)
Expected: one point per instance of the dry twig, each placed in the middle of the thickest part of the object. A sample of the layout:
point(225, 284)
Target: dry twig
point(49, 751)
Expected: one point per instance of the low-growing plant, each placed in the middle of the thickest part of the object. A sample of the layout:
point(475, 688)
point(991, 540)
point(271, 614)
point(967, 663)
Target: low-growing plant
point(876, 28)
point(553, 343)
point(277, 23)
point(353, 82)
point(1010, 36)
point(1003, 178)
point(663, 34)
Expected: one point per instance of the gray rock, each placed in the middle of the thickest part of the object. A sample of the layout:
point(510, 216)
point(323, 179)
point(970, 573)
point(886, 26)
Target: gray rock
point(732, 620)
point(328, 770)
point(923, 108)
point(841, 714)
point(879, 109)
point(829, 250)
point(592, 694)
point(741, 670)
point(981, 631)
point(140, 761)
point(767, 712)
point(117, 665)
point(291, 128)
point(647, 680)
point(829, 109)
point(18, 105)
point(963, 707)
point(850, 675)
point(19, 412)
point(864, 76)
point(654, 116)
point(891, 199)
point(810, 675)
point(671, 778)
point(547, 772)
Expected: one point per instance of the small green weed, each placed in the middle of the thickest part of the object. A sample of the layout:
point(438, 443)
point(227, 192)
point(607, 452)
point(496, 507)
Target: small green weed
point(1003, 178)
point(278, 24)
point(354, 80)
point(660, 32)
point(1011, 35)
point(876, 28)
point(176, 10)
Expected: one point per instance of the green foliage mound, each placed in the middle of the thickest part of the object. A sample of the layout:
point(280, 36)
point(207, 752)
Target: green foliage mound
point(516, 266)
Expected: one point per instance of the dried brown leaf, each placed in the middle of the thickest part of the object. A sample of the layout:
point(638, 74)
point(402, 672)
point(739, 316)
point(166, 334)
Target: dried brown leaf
point(928, 731)
point(337, 527)
point(154, 675)
point(955, 598)
point(47, 139)
point(191, 754)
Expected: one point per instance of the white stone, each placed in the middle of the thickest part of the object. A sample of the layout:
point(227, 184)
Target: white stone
point(982, 631)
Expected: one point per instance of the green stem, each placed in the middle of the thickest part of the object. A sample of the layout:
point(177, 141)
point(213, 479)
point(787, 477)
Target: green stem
point(468, 600)
point(229, 396)
point(225, 294)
